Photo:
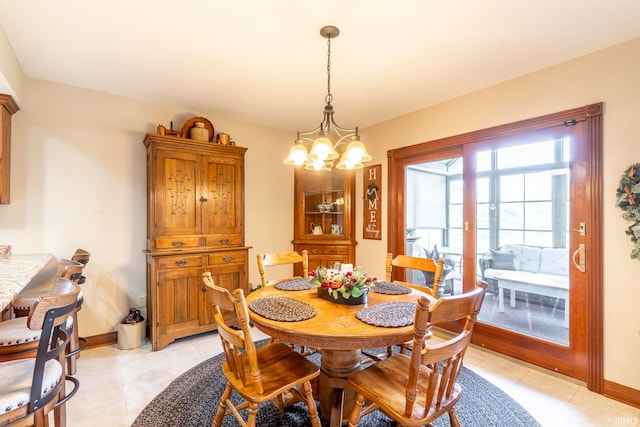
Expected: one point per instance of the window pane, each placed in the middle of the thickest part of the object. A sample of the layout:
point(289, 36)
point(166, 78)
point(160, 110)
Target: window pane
point(483, 241)
point(538, 216)
point(513, 237)
point(537, 186)
point(482, 215)
point(455, 191)
point(483, 161)
point(455, 237)
point(511, 215)
point(538, 153)
point(482, 190)
point(511, 188)
point(538, 238)
point(455, 216)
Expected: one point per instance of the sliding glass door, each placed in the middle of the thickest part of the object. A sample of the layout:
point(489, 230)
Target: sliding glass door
point(513, 206)
point(522, 236)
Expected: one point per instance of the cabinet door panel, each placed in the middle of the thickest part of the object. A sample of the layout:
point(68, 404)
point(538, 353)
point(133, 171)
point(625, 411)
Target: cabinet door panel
point(179, 290)
point(177, 193)
point(220, 213)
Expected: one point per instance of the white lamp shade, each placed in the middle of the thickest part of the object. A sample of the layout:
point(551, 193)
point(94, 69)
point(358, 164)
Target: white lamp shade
point(297, 155)
point(347, 162)
point(356, 151)
point(322, 148)
point(316, 164)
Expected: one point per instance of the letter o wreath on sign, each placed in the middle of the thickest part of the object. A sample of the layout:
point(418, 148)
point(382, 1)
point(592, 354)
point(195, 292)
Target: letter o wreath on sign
point(628, 199)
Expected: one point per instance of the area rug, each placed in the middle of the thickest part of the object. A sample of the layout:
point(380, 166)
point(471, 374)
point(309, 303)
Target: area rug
point(192, 400)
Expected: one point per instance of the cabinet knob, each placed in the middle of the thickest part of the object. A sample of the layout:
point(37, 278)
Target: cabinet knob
point(224, 241)
point(177, 243)
point(181, 262)
point(228, 258)
point(203, 199)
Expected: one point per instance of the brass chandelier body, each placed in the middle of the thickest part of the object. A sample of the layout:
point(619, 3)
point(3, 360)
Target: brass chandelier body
point(323, 153)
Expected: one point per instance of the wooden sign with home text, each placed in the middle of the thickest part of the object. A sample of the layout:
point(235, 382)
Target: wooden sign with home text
point(372, 179)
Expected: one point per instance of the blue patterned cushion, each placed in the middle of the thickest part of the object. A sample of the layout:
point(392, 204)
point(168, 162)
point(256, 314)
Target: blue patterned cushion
point(502, 260)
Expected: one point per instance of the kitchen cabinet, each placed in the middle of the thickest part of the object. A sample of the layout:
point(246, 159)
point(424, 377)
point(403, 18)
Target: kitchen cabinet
point(195, 223)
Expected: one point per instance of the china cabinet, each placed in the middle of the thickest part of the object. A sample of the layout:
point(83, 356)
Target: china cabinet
point(324, 216)
point(195, 223)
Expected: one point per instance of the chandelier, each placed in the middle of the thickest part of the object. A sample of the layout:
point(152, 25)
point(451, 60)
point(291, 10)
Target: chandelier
point(324, 153)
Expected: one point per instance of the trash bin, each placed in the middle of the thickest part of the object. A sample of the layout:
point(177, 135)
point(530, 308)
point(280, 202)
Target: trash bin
point(132, 330)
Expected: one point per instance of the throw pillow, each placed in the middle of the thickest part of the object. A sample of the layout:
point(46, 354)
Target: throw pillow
point(502, 260)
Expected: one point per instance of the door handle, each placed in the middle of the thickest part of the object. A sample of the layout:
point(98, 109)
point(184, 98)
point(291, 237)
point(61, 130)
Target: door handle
point(581, 263)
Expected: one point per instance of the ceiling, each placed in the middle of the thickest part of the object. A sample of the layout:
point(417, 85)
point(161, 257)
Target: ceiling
point(265, 62)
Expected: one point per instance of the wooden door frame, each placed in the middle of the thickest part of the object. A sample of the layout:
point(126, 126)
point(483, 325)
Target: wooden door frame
point(591, 115)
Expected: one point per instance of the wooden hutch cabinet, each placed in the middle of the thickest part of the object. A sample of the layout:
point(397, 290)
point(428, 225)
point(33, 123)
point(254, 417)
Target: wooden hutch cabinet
point(324, 217)
point(195, 223)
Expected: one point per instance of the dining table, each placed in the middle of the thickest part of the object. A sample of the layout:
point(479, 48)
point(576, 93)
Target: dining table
point(18, 271)
point(339, 332)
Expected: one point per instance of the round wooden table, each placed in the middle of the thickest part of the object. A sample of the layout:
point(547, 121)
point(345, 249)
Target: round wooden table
point(339, 337)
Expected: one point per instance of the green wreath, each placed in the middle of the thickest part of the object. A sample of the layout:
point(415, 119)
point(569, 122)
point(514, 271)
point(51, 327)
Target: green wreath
point(628, 199)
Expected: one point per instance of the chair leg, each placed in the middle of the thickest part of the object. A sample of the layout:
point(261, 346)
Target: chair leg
point(453, 418)
point(253, 411)
point(355, 414)
point(73, 346)
point(222, 407)
point(311, 404)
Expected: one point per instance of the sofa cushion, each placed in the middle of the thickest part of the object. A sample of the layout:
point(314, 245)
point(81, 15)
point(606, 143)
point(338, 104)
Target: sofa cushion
point(526, 258)
point(554, 261)
point(501, 260)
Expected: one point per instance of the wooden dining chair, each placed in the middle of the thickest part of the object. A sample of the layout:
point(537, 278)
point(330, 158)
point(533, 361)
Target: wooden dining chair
point(260, 374)
point(426, 265)
point(415, 390)
point(281, 258)
point(31, 388)
point(17, 341)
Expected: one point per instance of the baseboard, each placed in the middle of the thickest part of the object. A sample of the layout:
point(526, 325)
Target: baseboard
point(103, 339)
point(622, 393)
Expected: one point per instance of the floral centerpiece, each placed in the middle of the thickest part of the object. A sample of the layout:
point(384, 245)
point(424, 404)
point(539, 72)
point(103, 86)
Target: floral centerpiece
point(346, 285)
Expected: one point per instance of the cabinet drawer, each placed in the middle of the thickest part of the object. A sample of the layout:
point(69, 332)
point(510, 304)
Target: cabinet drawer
point(177, 242)
point(223, 240)
point(180, 261)
point(227, 257)
point(336, 250)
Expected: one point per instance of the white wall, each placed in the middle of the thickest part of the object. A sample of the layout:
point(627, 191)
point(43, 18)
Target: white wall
point(78, 180)
point(611, 76)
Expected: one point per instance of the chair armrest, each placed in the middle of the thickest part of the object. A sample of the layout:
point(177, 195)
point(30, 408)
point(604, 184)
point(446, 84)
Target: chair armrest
point(484, 263)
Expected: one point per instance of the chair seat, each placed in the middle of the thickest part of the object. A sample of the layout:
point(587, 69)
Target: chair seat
point(385, 383)
point(280, 366)
point(15, 388)
point(15, 331)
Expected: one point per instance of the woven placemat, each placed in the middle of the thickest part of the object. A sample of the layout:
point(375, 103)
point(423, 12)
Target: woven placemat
point(283, 309)
point(390, 288)
point(299, 284)
point(388, 314)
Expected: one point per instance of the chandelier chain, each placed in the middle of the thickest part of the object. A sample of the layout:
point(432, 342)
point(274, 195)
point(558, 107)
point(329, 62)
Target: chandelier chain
point(329, 97)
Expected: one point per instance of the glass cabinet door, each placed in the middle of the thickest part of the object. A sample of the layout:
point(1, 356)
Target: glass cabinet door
point(324, 204)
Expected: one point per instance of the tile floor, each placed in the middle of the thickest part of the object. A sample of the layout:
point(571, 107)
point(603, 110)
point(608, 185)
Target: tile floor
point(117, 384)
